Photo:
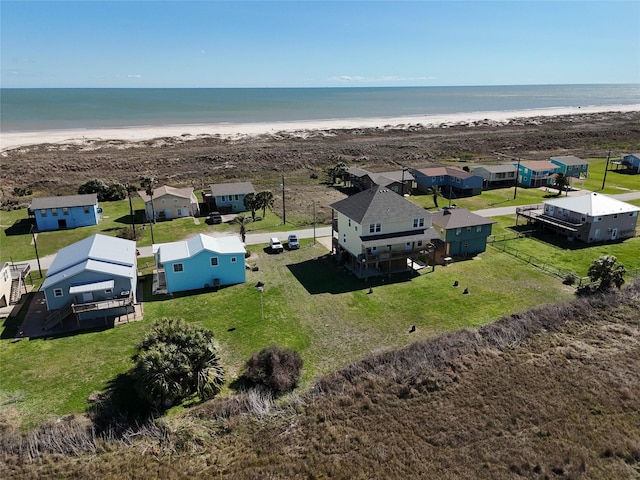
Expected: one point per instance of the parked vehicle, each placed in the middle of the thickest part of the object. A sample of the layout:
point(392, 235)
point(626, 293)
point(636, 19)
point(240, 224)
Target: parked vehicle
point(275, 245)
point(292, 242)
point(214, 218)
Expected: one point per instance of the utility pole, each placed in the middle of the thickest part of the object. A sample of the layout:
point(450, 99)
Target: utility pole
point(284, 209)
point(515, 187)
point(605, 170)
point(133, 219)
point(314, 222)
point(35, 246)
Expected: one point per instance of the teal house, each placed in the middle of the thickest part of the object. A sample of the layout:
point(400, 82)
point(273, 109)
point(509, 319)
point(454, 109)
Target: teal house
point(461, 232)
point(571, 166)
point(540, 173)
point(199, 262)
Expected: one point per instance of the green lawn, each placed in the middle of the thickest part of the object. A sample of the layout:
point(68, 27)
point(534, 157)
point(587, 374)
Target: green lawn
point(310, 304)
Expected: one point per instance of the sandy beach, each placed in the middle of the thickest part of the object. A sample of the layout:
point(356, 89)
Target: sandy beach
point(12, 140)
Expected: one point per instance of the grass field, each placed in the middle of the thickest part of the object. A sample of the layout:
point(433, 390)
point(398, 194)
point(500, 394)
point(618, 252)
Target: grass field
point(310, 304)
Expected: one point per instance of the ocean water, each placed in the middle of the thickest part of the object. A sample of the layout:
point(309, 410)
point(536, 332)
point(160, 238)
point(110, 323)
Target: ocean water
point(24, 110)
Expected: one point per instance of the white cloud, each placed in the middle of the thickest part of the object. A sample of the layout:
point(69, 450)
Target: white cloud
point(384, 78)
point(134, 76)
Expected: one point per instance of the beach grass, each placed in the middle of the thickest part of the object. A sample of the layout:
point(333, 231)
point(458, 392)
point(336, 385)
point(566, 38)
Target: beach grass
point(310, 304)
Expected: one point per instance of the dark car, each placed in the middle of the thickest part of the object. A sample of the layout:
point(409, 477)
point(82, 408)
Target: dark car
point(214, 218)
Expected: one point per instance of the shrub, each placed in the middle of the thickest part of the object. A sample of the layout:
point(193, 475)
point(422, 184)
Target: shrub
point(176, 360)
point(275, 368)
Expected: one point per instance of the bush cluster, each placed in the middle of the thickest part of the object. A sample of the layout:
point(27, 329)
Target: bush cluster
point(106, 193)
point(275, 368)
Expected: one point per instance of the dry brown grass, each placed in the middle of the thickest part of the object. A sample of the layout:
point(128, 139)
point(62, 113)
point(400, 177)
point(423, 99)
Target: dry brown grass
point(551, 393)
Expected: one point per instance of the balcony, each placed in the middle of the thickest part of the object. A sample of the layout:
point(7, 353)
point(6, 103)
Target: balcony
point(106, 304)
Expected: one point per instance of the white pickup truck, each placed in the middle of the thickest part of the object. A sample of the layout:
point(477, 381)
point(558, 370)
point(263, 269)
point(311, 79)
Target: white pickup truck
point(275, 245)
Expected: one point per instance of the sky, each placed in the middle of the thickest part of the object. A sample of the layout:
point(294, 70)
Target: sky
point(50, 44)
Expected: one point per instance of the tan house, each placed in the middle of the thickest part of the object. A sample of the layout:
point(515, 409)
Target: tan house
point(380, 232)
point(5, 284)
point(170, 202)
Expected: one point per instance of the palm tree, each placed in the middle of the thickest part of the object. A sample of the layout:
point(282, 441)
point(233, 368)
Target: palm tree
point(243, 220)
point(176, 360)
point(148, 183)
point(562, 182)
point(608, 272)
point(264, 199)
point(250, 203)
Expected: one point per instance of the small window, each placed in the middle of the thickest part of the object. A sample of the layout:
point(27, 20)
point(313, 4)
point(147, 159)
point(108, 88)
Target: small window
point(86, 209)
point(418, 222)
point(54, 212)
point(419, 243)
point(236, 197)
point(175, 200)
point(458, 231)
point(356, 228)
point(233, 259)
point(65, 211)
point(43, 213)
point(468, 229)
point(214, 261)
point(223, 198)
point(375, 227)
point(178, 267)
point(57, 292)
point(479, 228)
point(349, 222)
point(344, 238)
point(163, 201)
point(615, 216)
point(108, 291)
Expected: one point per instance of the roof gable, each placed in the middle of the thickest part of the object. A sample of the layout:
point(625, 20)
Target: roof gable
point(539, 165)
point(444, 170)
point(569, 160)
point(186, 192)
point(502, 168)
point(378, 205)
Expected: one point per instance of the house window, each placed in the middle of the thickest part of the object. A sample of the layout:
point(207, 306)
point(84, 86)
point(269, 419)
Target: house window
point(344, 238)
point(223, 198)
point(418, 222)
point(175, 200)
point(468, 229)
point(233, 259)
point(214, 261)
point(597, 219)
point(5, 275)
point(349, 222)
point(615, 216)
point(108, 291)
point(57, 292)
point(457, 180)
point(465, 245)
point(236, 197)
point(65, 211)
point(458, 231)
point(375, 227)
point(43, 213)
point(163, 201)
point(583, 219)
point(54, 212)
point(178, 267)
point(479, 228)
point(407, 246)
point(86, 209)
point(356, 228)
point(525, 179)
point(419, 243)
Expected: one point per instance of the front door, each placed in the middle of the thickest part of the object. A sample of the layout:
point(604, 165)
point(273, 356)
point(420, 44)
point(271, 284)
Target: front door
point(62, 224)
point(614, 234)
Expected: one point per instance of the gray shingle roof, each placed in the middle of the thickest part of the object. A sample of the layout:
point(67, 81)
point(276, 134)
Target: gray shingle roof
point(64, 201)
point(378, 205)
point(502, 168)
point(569, 160)
point(459, 218)
point(237, 188)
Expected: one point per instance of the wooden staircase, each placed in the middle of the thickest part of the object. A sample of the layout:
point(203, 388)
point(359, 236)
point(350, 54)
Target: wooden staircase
point(56, 317)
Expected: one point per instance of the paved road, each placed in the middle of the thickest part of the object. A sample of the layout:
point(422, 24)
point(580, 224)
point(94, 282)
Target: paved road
point(263, 238)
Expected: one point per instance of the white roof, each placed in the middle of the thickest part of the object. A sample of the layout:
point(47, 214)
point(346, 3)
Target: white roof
point(169, 252)
point(593, 204)
point(98, 253)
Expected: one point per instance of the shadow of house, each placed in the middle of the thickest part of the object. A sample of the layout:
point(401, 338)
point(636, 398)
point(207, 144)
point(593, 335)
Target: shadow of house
point(20, 227)
point(322, 275)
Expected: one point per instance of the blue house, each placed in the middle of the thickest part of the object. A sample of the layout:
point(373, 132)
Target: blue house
point(539, 173)
point(199, 262)
point(452, 182)
point(95, 277)
point(461, 232)
point(228, 197)
point(571, 166)
point(632, 162)
point(72, 211)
